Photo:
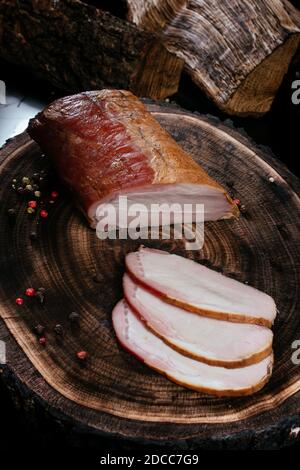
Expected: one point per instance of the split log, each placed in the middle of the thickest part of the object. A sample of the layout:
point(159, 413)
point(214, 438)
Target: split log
point(76, 47)
point(237, 51)
point(112, 393)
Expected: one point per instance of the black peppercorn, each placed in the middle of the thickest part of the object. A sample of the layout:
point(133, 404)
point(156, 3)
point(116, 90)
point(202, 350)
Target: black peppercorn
point(11, 213)
point(39, 329)
point(58, 329)
point(33, 235)
point(35, 176)
point(74, 317)
point(40, 297)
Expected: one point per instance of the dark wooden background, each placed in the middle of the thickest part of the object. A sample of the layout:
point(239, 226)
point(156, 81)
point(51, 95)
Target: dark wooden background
point(20, 437)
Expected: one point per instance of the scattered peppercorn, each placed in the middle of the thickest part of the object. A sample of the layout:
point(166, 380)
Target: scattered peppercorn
point(14, 180)
point(11, 213)
point(243, 208)
point(271, 179)
point(28, 187)
point(54, 194)
point(39, 329)
point(30, 292)
point(30, 210)
point(43, 213)
point(25, 180)
point(42, 340)
point(74, 317)
point(32, 204)
point(20, 190)
point(37, 193)
point(33, 236)
point(19, 301)
point(40, 296)
point(82, 355)
point(58, 329)
point(237, 202)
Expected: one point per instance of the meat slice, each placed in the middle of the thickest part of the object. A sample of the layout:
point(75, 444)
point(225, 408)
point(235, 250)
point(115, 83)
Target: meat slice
point(105, 144)
point(147, 347)
point(195, 288)
point(215, 342)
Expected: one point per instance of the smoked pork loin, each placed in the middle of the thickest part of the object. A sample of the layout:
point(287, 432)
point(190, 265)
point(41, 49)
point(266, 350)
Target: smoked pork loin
point(199, 328)
point(105, 144)
point(134, 336)
point(215, 342)
point(196, 288)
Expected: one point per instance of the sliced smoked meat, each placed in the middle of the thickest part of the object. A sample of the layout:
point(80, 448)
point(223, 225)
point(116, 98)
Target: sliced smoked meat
point(147, 347)
point(198, 289)
point(215, 342)
point(105, 144)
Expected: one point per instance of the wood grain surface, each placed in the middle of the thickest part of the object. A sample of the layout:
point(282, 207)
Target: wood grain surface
point(76, 46)
point(112, 392)
point(237, 51)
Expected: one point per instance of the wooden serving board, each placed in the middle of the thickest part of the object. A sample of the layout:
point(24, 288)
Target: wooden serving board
point(112, 392)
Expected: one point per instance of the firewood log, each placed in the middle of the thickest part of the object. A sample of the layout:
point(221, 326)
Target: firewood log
point(237, 51)
point(76, 46)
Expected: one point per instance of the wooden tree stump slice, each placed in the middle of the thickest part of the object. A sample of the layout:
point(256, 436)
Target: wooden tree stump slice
point(112, 392)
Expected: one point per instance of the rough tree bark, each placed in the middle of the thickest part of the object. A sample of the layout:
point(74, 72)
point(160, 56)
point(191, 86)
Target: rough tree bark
point(237, 51)
point(77, 46)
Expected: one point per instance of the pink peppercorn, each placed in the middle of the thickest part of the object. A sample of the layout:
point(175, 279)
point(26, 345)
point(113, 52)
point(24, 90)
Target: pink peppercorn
point(237, 202)
point(30, 292)
point(43, 213)
point(19, 301)
point(32, 204)
point(82, 355)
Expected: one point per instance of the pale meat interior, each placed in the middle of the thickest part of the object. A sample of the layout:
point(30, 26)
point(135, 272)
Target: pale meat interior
point(201, 337)
point(182, 279)
point(136, 338)
point(215, 203)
